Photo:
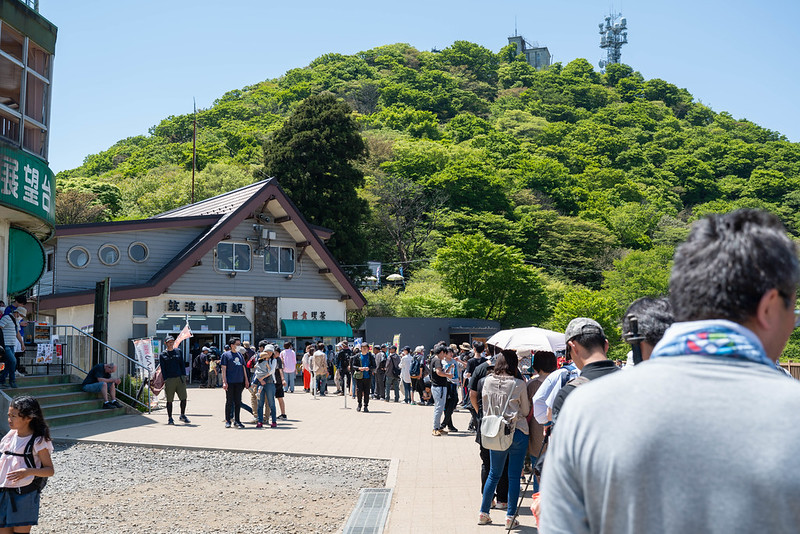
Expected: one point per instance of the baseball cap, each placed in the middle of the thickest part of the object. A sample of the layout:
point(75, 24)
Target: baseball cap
point(582, 325)
point(169, 338)
point(269, 348)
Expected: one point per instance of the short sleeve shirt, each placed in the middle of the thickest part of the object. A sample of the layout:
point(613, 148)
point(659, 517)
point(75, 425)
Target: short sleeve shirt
point(13, 443)
point(234, 367)
point(436, 365)
point(98, 371)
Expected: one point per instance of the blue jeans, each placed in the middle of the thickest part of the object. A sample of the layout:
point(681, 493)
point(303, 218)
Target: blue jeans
point(516, 457)
point(290, 381)
point(10, 369)
point(407, 391)
point(439, 398)
point(268, 391)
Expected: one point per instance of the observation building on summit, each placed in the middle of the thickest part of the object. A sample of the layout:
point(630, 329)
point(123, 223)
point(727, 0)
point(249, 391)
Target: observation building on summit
point(27, 185)
point(537, 56)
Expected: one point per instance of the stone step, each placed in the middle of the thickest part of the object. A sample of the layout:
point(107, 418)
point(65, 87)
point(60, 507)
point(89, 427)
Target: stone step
point(70, 396)
point(83, 417)
point(47, 389)
point(64, 408)
point(42, 380)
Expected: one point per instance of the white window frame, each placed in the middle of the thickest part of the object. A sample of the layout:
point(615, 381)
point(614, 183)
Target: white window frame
point(100, 256)
point(233, 268)
point(280, 263)
point(146, 252)
point(85, 250)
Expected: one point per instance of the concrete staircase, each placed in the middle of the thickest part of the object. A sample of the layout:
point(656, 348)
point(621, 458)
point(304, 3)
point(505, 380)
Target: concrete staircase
point(63, 401)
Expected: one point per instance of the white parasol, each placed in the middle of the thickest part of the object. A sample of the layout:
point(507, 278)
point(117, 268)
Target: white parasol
point(529, 339)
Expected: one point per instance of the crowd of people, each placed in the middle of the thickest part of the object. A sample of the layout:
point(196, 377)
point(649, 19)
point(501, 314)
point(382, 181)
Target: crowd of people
point(660, 446)
point(696, 433)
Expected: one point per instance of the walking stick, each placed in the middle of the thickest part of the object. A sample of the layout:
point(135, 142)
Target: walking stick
point(533, 474)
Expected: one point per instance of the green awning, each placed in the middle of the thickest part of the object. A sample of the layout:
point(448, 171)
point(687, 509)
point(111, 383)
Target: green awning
point(311, 328)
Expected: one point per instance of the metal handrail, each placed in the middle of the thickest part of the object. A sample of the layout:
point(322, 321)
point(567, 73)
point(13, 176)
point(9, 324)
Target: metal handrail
point(143, 370)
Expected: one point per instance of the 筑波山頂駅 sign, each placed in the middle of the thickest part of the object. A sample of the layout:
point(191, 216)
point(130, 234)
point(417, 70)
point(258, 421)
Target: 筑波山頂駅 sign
point(26, 184)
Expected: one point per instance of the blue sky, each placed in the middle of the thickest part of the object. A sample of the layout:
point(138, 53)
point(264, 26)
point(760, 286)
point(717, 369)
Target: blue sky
point(123, 65)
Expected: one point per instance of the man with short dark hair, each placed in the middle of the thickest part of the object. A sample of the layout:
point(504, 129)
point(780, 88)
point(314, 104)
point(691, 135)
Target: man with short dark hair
point(440, 380)
point(173, 369)
point(652, 316)
point(363, 365)
point(665, 449)
point(234, 381)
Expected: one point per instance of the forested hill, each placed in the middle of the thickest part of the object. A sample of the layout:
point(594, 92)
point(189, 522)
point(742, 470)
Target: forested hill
point(590, 178)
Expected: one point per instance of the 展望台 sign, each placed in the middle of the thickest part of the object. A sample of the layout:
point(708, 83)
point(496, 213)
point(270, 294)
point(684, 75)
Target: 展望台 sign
point(26, 184)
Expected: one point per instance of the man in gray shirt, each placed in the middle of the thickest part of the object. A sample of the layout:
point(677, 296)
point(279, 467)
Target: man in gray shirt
point(702, 437)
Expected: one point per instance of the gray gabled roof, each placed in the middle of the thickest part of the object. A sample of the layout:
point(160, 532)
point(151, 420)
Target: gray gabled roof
point(218, 205)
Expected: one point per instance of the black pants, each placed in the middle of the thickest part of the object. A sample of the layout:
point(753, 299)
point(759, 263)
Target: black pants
point(345, 378)
point(362, 391)
point(380, 383)
point(233, 401)
point(450, 406)
point(501, 493)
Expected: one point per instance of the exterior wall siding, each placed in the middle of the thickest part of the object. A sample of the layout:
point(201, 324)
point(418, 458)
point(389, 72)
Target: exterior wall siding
point(306, 281)
point(163, 245)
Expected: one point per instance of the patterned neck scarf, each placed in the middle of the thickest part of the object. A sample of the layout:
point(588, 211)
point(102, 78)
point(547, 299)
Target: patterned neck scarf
point(717, 338)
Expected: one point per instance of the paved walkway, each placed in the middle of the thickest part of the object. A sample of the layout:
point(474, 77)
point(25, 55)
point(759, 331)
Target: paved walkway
point(435, 479)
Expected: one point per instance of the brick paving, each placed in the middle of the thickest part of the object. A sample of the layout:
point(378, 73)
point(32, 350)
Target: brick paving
point(435, 479)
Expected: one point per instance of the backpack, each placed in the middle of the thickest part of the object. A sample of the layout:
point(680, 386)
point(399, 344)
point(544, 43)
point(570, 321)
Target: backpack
point(38, 483)
point(395, 367)
point(416, 367)
point(496, 433)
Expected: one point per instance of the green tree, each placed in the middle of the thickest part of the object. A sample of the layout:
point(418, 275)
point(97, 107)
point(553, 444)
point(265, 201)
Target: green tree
point(578, 249)
point(587, 303)
point(641, 273)
point(426, 296)
point(312, 157)
point(492, 280)
point(76, 206)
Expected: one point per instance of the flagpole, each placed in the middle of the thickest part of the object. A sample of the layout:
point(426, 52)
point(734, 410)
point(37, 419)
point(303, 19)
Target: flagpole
point(194, 145)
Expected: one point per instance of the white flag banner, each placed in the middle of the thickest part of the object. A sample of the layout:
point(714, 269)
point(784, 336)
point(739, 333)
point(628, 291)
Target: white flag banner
point(186, 333)
point(144, 353)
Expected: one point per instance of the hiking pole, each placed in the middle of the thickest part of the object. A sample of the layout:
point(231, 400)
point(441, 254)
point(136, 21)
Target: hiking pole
point(533, 473)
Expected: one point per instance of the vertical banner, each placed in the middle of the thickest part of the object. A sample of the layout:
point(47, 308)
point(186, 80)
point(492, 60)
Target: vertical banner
point(396, 341)
point(144, 353)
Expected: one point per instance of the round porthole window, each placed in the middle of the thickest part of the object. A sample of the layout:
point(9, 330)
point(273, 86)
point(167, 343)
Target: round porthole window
point(108, 254)
point(78, 257)
point(138, 252)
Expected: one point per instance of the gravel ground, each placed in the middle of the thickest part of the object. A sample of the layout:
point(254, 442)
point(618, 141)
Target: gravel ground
point(123, 489)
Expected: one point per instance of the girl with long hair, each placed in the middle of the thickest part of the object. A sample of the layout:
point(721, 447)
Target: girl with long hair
point(20, 476)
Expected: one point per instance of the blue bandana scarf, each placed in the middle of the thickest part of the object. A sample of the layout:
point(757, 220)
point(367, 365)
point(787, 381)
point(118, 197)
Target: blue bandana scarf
point(718, 338)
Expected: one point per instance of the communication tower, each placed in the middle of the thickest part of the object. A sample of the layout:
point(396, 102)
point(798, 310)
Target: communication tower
point(613, 34)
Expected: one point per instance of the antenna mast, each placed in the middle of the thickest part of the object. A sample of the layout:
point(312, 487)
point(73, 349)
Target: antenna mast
point(613, 34)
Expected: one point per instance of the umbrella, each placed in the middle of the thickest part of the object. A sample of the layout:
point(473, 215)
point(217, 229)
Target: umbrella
point(531, 338)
